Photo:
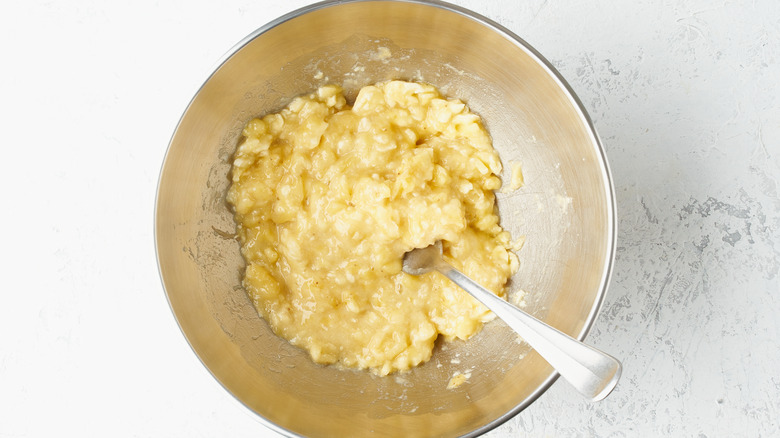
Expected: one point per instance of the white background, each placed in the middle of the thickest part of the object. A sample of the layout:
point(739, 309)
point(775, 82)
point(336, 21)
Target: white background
point(685, 95)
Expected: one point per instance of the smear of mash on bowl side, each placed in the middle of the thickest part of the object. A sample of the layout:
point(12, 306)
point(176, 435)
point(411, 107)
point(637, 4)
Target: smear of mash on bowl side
point(328, 198)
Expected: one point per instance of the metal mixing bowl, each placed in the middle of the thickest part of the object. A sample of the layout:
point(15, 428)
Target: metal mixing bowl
point(566, 210)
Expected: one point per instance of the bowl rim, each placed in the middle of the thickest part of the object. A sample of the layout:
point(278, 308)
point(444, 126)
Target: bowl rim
point(606, 174)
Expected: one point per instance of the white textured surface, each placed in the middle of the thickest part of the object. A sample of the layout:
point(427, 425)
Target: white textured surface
point(685, 95)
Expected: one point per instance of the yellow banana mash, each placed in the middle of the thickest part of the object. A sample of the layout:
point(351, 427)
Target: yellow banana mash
point(329, 197)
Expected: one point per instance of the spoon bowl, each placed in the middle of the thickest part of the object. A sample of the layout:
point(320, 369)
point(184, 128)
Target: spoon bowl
point(592, 372)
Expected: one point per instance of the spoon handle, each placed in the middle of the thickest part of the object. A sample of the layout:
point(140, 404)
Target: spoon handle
point(593, 373)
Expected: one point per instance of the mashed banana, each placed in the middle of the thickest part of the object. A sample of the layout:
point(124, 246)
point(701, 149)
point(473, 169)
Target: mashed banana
point(328, 199)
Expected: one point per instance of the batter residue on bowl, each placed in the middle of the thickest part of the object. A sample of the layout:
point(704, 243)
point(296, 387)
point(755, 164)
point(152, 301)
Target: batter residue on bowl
point(327, 200)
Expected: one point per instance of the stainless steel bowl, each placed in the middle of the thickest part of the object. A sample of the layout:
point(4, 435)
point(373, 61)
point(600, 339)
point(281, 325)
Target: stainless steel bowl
point(566, 210)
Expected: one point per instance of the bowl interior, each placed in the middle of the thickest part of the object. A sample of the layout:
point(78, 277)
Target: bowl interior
point(565, 211)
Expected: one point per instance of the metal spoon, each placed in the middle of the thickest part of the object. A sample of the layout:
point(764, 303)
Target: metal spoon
point(593, 373)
